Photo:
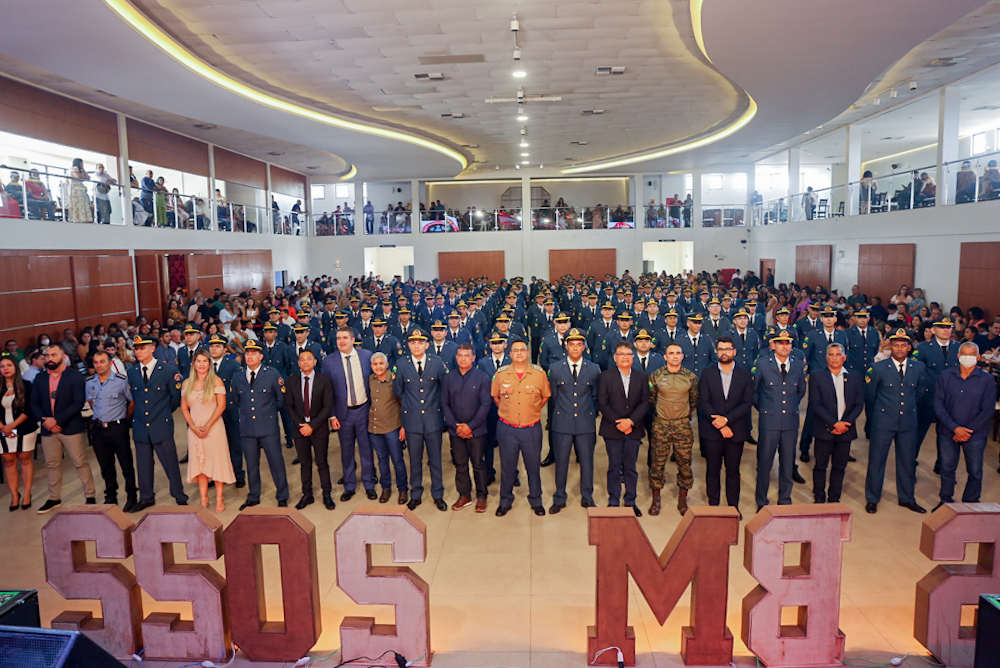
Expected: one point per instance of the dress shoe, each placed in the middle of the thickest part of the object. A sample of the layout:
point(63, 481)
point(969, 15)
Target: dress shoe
point(462, 502)
point(759, 508)
point(26, 505)
point(440, 504)
point(328, 502)
point(403, 498)
point(852, 458)
point(682, 501)
point(548, 461)
point(517, 481)
point(738, 512)
point(654, 507)
point(797, 477)
point(346, 496)
point(412, 505)
point(588, 504)
point(804, 457)
point(538, 510)
point(16, 506)
point(183, 460)
point(110, 501)
point(249, 504)
point(503, 510)
point(295, 462)
point(555, 508)
point(140, 506)
point(370, 493)
point(492, 479)
point(940, 503)
point(937, 468)
point(283, 503)
point(871, 508)
point(91, 501)
point(289, 444)
point(752, 441)
point(241, 483)
point(340, 482)
point(481, 505)
point(915, 507)
point(304, 501)
point(386, 495)
point(182, 503)
point(635, 509)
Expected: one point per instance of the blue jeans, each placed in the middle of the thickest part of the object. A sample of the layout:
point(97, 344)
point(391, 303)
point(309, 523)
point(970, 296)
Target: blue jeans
point(388, 447)
point(949, 449)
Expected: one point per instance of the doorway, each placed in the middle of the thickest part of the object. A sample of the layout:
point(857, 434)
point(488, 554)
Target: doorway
point(673, 257)
point(764, 266)
point(388, 261)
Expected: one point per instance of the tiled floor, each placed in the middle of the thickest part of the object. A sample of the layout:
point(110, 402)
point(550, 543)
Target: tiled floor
point(518, 591)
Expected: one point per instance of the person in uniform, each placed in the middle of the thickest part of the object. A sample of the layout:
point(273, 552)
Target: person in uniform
point(520, 391)
point(698, 349)
point(225, 367)
point(276, 354)
point(192, 344)
point(623, 398)
point(894, 387)
point(302, 342)
point(599, 328)
point(574, 382)
point(938, 354)
point(440, 347)
point(715, 324)
point(622, 332)
point(156, 389)
point(284, 331)
point(746, 340)
point(110, 399)
point(382, 342)
point(259, 392)
point(492, 363)
point(673, 393)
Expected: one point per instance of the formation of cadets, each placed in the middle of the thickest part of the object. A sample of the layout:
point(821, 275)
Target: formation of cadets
point(655, 359)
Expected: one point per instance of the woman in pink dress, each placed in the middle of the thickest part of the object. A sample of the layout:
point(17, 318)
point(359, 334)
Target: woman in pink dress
point(203, 400)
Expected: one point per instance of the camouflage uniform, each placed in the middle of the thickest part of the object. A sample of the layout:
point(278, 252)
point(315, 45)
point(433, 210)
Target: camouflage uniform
point(674, 397)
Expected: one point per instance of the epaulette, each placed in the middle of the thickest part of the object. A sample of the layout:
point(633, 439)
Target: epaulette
point(535, 366)
point(503, 368)
point(92, 376)
point(120, 375)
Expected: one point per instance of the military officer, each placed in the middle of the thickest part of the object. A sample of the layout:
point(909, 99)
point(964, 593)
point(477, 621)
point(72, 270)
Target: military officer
point(110, 398)
point(554, 345)
point(715, 324)
point(492, 363)
point(758, 322)
point(803, 326)
point(275, 352)
point(283, 330)
point(403, 327)
point(745, 340)
point(647, 360)
point(599, 328)
point(456, 333)
point(671, 330)
point(192, 343)
point(302, 342)
point(441, 347)
point(781, 317)
point(622, 332)
point(540, 323)
point(938, 354)
point(698, 349)
point(382, 342)
point(226, 367)
point(863, 343)
point(673, 392)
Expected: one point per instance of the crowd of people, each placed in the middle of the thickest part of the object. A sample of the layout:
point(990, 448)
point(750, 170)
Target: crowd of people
point(504, 367)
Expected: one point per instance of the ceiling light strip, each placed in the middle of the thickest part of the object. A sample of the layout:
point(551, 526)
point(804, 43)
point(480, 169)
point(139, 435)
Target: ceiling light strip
point(165, 43)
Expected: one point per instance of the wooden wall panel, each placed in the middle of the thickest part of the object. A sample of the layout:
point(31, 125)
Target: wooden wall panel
point(32, 112)
point(288, 183)
point(468, 264)
point(240, 169)
point(242, 271)
point(978, 276)
point(155, 146)
point(812, 265)
point(882, 268)
point(149, 284)
point(204, 273)
point(590, 262)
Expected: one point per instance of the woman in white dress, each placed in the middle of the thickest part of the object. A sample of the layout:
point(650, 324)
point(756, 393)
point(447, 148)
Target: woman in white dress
point(18, 431)
point(203, 400)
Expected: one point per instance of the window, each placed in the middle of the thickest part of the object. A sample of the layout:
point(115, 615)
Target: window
point(317, 192)
point(688, 182)
point(740, 181)
point(978, 143)
point(342, 191)
point(713, 181)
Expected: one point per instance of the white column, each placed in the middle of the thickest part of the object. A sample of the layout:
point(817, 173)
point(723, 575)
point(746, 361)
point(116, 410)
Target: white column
point(947, 146)
point(526, 231)
point(213, 208)
point(415, 197)
point(359, 209)
point(123, 180)
point(268, 213)
point(751, 173)
point(695, 199)
point(794, 207)
point(854, 134)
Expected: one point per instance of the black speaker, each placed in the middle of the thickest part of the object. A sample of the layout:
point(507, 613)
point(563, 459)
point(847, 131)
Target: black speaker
point(988, 632)
point(19, 608)
point(49, 648)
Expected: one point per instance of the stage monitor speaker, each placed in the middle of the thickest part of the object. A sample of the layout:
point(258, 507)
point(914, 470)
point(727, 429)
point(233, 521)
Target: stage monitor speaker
point(20, 608)
point(988, 632)
point(48, 648)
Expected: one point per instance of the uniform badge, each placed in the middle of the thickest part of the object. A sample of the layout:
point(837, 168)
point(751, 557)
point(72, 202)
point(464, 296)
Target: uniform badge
point(177, 377)
point(178, 386)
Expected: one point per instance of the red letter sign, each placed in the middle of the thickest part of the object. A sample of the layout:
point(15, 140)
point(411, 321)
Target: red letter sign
point(942, 592)
point(399, 586)
point(813, 586)
point(697, 553)
point(70, 574)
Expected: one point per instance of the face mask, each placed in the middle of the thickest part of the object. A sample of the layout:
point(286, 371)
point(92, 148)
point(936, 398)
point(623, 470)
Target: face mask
point(45, 342)
point(967, 361)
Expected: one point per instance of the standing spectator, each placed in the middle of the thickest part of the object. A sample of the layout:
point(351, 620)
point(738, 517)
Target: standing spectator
point(836, 398)
point(809, 203)
point(36, 362)
point(110, 399)
point(623, 398)
point(18, 431)
point(349, 370)
point(102, 193)
point(937, 354)
point(39, 199)
point(385, 429)
point(148, 186)
point(80, 210)
point(203, 401)
point(310, 405)
point(465, 404)
point(869, 186)
point(964, 402)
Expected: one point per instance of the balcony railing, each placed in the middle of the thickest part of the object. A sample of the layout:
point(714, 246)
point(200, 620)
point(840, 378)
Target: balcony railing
point(583, 218)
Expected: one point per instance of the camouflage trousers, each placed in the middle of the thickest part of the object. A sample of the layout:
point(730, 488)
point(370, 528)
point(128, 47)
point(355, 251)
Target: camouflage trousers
point(670, 435)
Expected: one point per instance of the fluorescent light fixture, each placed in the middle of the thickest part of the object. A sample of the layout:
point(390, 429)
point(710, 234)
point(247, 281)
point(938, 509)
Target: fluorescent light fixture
point(524, 144)
point(521, 117)
point(524, 155)
point(525, 162)
point(165, 43)
point(520, 73)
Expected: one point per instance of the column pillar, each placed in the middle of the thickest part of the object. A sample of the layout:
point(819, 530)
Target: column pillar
point(213, 208)
point(947, 146)
point(268, 212)
point(415, 197)
point(359, 209)
point(854, 139)
point(794, 207)
point(696, 197)
point(123, 180)
point(526, 268)
point(751, 173)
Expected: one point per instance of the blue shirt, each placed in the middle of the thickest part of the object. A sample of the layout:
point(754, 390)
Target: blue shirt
point(968, 402)
point(109, 399)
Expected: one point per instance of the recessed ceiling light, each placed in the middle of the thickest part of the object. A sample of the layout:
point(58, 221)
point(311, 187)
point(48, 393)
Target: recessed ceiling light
point(524, 144)
point(433, 76)
point(524, 155)
point(313, 167)
point(521, 117)
point(274, 153)
point(592, 112)
point(578, 143)
point(525, 162)
point(520, 73)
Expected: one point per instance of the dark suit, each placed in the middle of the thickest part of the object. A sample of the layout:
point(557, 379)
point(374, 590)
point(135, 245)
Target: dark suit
point(712, 400)
point(823, 402)
point(320, 410)
point(353, 420)
point(574, 412)
point(153, 427)
point(623, 449)
point(447, 355)
point(777, 400)
point(259, 405)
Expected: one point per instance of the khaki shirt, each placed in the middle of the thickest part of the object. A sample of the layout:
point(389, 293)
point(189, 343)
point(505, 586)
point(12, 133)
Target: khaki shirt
point(675, 395)
point(383, 416)
point(521, 399)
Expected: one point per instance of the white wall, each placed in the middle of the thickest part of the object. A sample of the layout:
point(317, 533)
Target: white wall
point(382, 194)
point(387, 262)
point(663, 186)
point(329, 202)
point(673, 257)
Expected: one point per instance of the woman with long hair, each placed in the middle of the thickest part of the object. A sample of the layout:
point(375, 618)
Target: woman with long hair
point(80, 210)
point(203, 401)
point(18, 431)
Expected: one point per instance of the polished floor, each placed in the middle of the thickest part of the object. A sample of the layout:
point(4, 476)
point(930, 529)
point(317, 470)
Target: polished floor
point(518, 591)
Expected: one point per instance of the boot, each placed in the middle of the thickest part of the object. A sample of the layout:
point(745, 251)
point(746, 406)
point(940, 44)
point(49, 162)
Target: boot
point(654, 508)
point(682, 501)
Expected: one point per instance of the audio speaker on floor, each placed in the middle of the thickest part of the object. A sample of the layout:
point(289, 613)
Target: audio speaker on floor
point(48, 648)
point(19, 608)
point(988, 632)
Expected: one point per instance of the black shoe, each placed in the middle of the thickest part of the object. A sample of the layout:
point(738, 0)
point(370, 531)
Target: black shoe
point(346, 496)
point(289, 445)
point(283, 503)
point(304, 501)
point(556, 507)
point(111, 501)
point(91, 501)
point(797, 477)
point(871, 508)
point(328, 502)
point(635, 509)
point(804, 458)
point(184, 460)
point(915, 507)
point(502, 510)
point(492, 479)
point(673, 457)
point(249, 504)
point(937, 469)
point(759, 508)
point(182, 503)
point(141, 505)
point(295, 461)
point(752, 441)
point(340, 482)
point(940, 503)
point(517, 481)
point(370, 493)
point(241, 483)
point(588, 504)
point(412, 505)
point(538, 510)
point(26, 506)
point(129, 505)
point(440, 504)
point(548, 461)
point(852, 458)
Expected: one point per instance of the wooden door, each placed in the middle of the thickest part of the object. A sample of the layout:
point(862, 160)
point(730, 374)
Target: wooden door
point(812, 265)
point(764, 266)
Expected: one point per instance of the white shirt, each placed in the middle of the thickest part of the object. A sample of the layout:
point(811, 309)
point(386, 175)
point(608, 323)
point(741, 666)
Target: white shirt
point(838, 386)
point(260, 367)
point(360, 394)
point(149, 367)
point(899, 364)
point(311, 377)
point(625, 380)
point(727, 380)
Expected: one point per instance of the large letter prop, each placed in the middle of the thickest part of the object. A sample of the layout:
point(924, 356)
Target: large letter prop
point(941, 593)
point(698, 553)
point(398, 586)
point(165, 635)
point(812, 586)
point(73, 576)
point(295, 537)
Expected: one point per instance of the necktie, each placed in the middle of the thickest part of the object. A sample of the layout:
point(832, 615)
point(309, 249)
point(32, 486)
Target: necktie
point(497, 362)
point(420, 368)
point(352, 396)
point(253, 377)
point(562, 342)
point(695, 342)
point(864, 334)
point(305, 397)
point(216, 367)
point(644, 363)
point(438, 348)
point(574, 372)
point(784, 370)
point(145, 375)
point(829, 338)
point(301, 348)
point(902, 371)
point(944, 350)
point(378, 342)
point(743, 335)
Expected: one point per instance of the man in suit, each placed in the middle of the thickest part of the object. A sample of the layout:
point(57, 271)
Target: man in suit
point(894, 387)
point(259, 392)
point(57, 397)
point(623, 397)
point(698, 349)
point(938, 354)
point(815, 347)
point(492, 363)
point(779, 385)
point(836, 398)
point(226, 367)
point(725, 397)
point(156, 389)
point(309, 398)
point(348, 368)
point(192, 343)
point(382, 342)
point(574, 382)
point(418, 386)
point(440, 347)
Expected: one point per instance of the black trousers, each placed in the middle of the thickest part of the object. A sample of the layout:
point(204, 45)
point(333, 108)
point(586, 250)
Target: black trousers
point(304, 447)
point(112, 443)
point(837, 450)
point(717, 452)
point(463, 452)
